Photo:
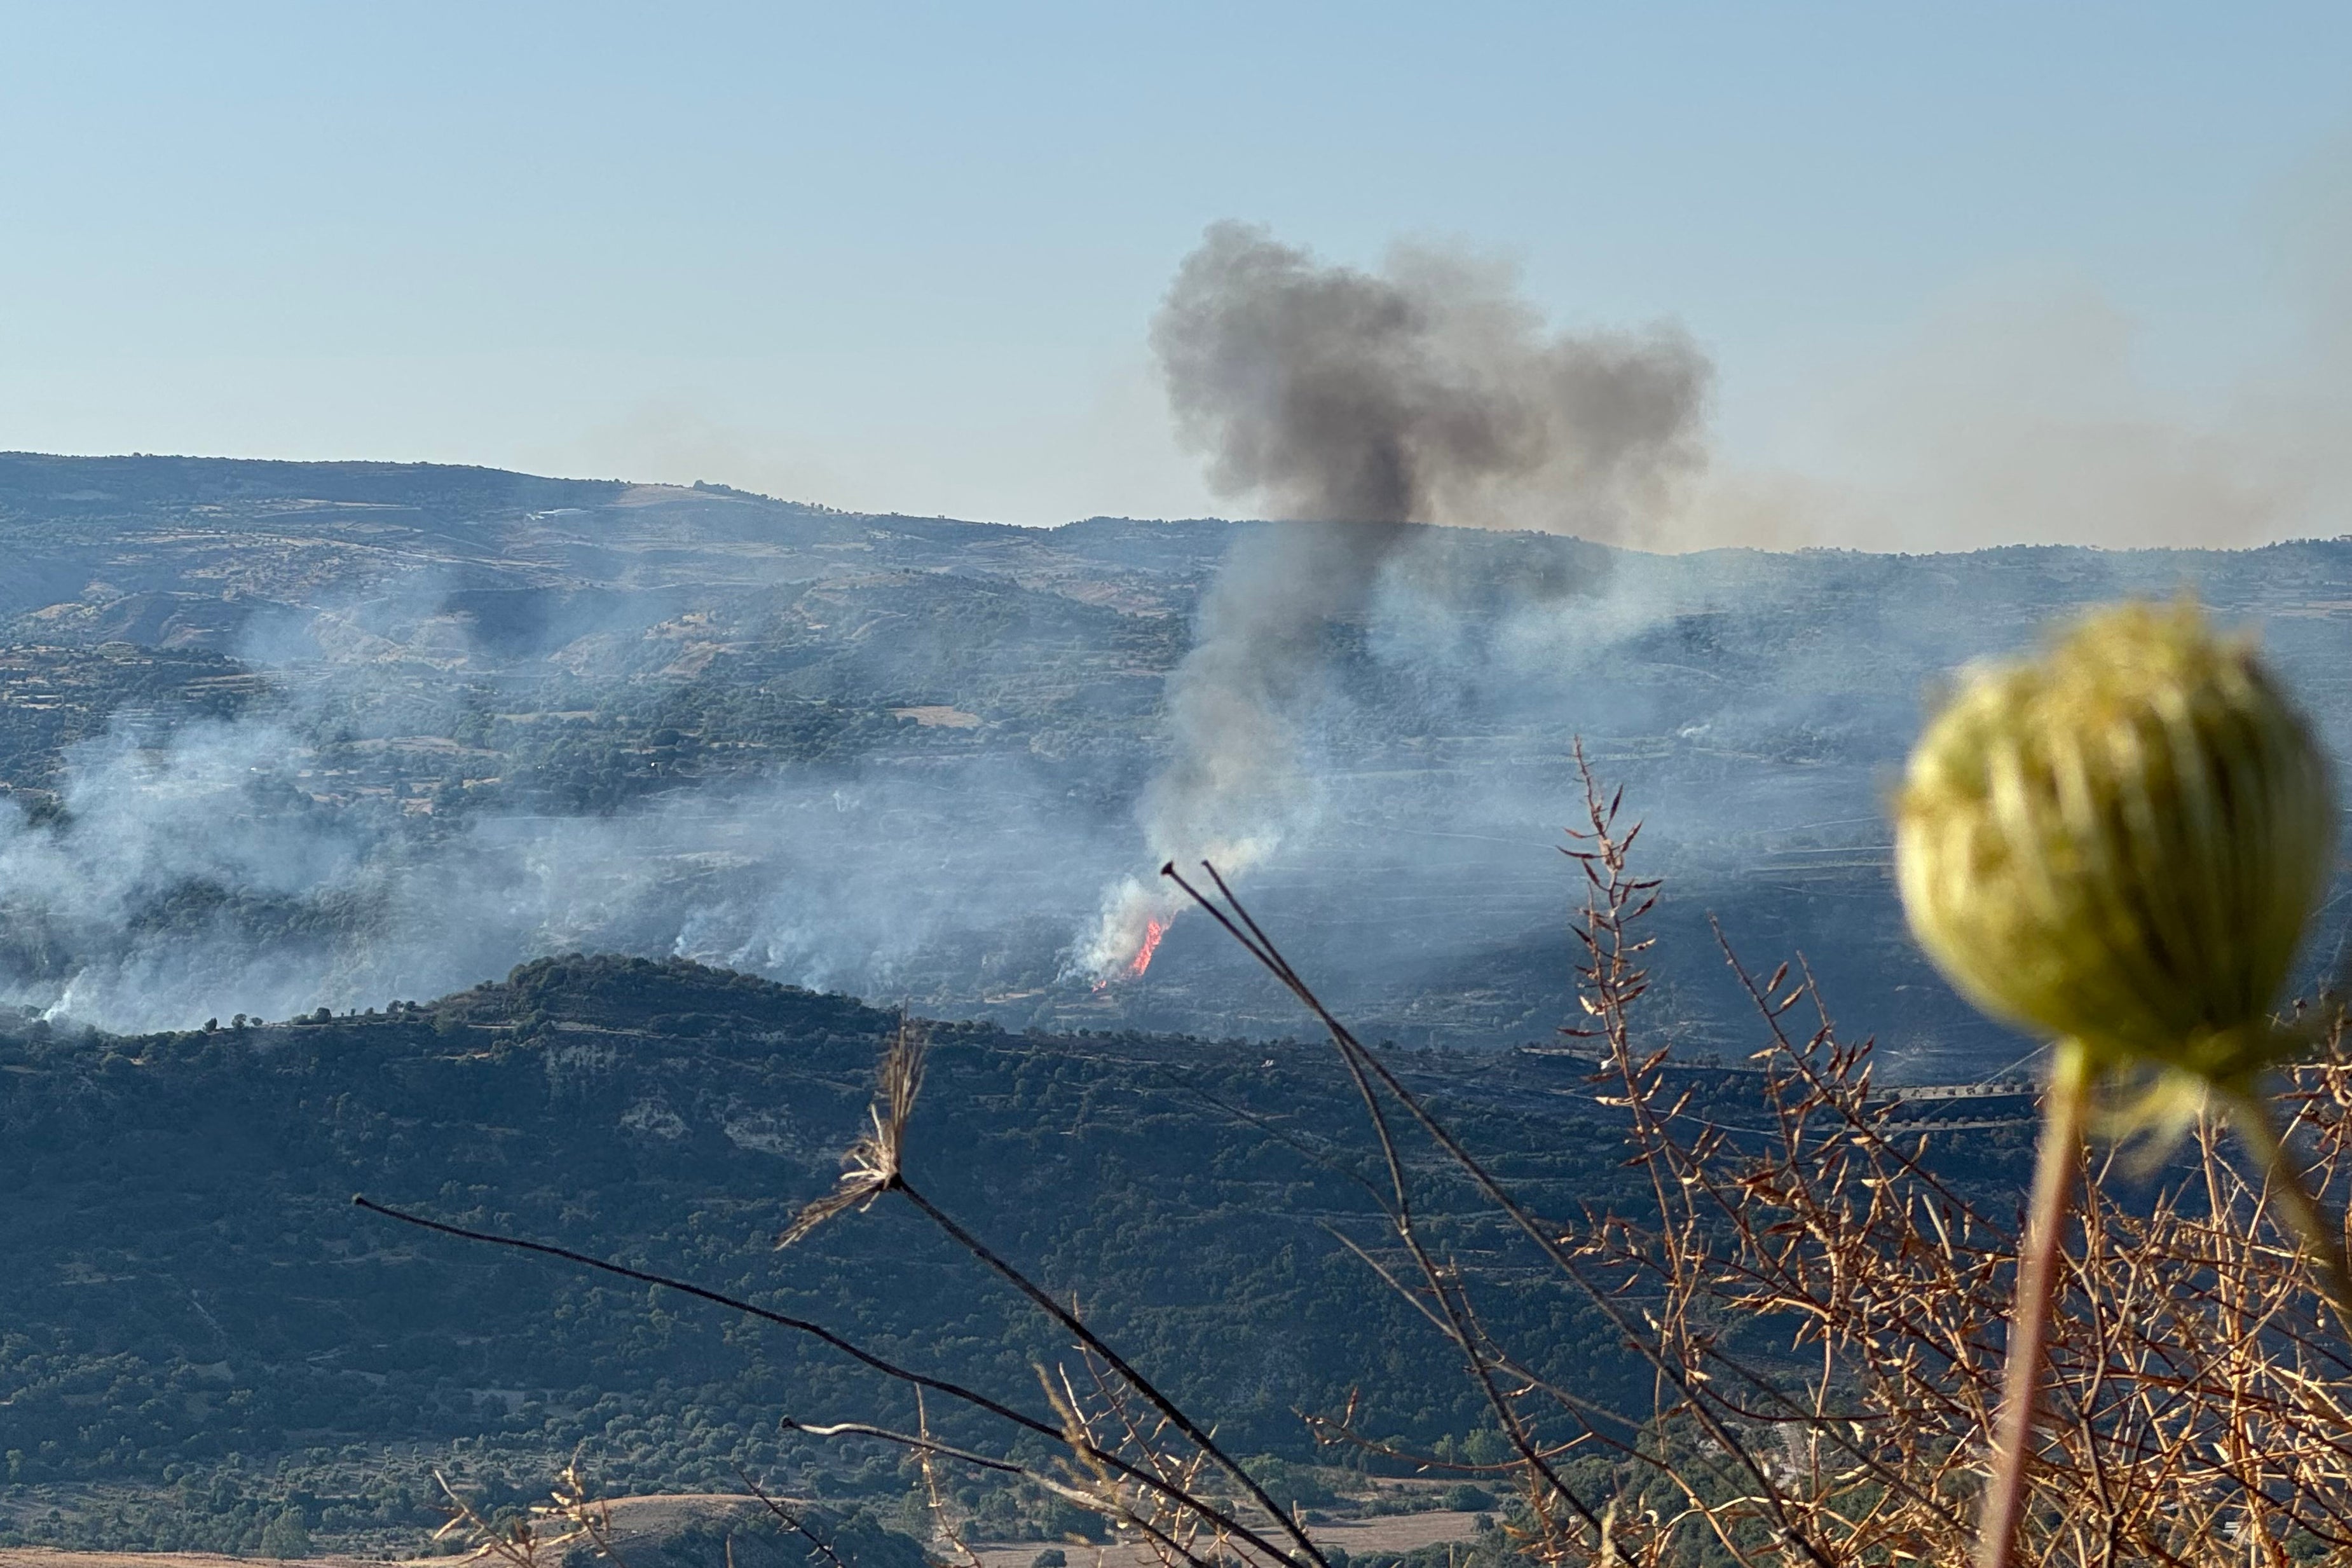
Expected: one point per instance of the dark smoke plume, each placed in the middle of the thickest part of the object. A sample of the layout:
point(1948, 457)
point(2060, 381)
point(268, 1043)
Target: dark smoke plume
point(1430, 394)
point(1349, 405)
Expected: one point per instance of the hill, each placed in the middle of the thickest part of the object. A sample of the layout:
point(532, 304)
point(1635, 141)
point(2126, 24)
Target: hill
point(291, 735)
point(200, 1329)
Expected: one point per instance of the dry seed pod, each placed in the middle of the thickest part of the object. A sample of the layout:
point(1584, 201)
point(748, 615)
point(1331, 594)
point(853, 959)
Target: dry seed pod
point(2121, 841)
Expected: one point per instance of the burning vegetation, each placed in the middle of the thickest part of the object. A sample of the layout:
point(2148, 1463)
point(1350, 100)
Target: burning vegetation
point(1153, 930)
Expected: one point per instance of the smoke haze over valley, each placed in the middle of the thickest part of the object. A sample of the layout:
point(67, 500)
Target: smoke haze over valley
point(285, 737)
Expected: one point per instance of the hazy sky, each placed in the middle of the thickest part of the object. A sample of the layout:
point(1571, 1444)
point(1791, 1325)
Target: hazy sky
point(1967, 272)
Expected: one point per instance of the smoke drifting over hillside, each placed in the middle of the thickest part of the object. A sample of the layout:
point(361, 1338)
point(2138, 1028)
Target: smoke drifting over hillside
point(191, 874)
point(912, 757)
point(1349, 405)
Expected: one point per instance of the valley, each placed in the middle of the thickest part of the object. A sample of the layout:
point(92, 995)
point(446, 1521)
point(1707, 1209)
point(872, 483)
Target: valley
point(317, 734)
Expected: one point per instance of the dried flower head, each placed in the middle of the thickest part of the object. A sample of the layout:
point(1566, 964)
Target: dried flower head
point(870, 1166)
point(2121, 843)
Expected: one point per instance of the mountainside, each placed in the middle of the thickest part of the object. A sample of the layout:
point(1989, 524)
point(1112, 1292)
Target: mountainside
point(195, 1317)
point(292, 735)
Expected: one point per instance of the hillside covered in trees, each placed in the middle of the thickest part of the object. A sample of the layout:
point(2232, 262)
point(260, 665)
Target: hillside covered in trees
point(196, 1326)
point(191, 1282)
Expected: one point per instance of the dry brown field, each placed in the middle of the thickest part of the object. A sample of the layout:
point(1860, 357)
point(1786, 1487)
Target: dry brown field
point(1392, 1533)
point(48, 1557)
point(646, 1516)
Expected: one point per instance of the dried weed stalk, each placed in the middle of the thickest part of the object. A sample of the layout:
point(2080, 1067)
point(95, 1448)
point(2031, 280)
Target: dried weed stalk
point(1101, 1418)
point(539, 1537)
point(869, 1168)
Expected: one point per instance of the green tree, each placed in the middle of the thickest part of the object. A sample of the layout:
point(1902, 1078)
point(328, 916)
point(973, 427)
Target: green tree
point(286, 1536)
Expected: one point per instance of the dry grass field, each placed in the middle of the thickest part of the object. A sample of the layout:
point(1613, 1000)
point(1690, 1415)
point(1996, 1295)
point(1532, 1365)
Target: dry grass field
point(1392, 1533)
point(645, 1517)
point(48, 1557)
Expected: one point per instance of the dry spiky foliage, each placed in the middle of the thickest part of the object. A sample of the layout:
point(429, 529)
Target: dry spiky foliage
point(870, 1166)
point(1101, 1418)
point(538, 1538)
point(1134, 1489)
point(1826, 1315)
point(944, 1529)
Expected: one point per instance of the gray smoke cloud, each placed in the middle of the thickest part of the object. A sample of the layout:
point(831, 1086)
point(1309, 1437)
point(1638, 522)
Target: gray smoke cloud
point(208, 866)
point(1348, 405)
point(189, 875)
point(1429, 394)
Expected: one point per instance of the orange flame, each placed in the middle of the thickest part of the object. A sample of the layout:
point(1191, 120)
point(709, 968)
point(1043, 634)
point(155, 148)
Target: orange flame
point(1153, 930)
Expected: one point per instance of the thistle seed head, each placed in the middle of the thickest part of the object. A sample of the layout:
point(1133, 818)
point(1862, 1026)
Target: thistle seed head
point(2121, 841)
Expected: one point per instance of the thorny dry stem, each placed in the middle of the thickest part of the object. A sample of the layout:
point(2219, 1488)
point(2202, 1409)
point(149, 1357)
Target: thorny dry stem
point(819, 1549)
point(538, 1538)
point(943, 1526)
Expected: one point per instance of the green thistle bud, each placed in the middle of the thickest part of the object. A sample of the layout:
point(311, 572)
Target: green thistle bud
point(2121, 843)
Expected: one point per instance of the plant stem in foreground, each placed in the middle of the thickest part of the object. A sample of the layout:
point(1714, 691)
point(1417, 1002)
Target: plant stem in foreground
point(2063, 1118)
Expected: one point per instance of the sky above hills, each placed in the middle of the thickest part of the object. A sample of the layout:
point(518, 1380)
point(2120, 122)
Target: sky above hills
point(1965, 274)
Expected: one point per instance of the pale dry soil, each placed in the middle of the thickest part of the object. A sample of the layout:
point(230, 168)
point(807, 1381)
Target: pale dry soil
point(648, 1516)
point(633, 1518)
point(48, 1557)
point(1392, 1533)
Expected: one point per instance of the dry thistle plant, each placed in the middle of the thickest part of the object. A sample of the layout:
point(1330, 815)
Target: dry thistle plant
point(2119, 844)
point(1101, 1418)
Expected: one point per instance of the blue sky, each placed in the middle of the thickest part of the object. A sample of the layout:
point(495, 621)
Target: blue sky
point(895, 256)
